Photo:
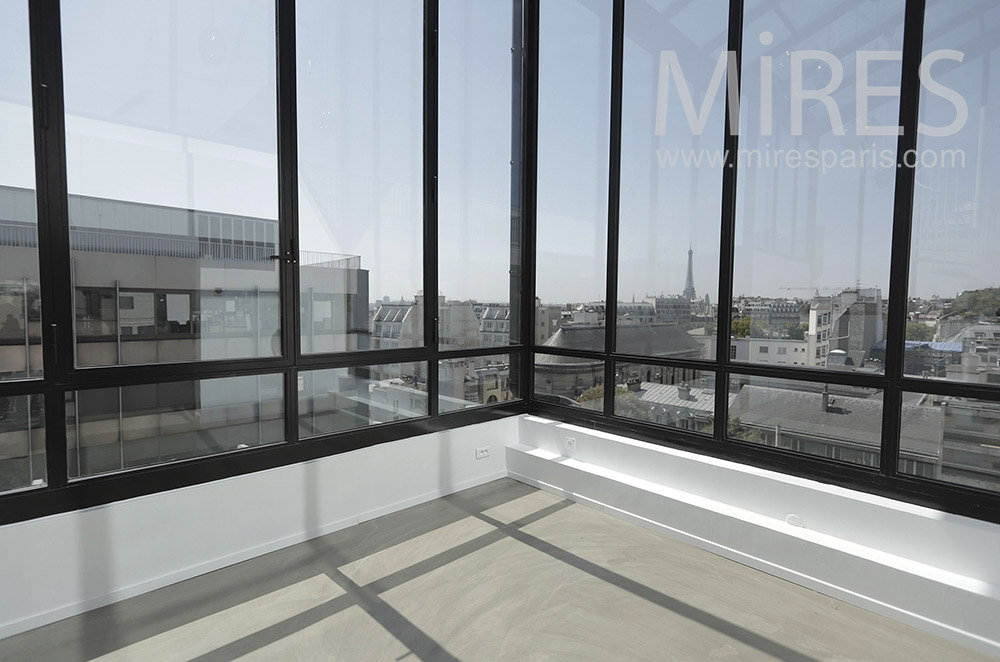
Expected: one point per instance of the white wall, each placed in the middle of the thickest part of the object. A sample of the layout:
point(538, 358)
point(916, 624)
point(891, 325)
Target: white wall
point(59, 566)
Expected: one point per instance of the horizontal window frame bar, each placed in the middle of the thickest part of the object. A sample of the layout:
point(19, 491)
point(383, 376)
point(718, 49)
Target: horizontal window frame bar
point(365, 357)
point(15, 388)
point(946, 388)
point(811, 375)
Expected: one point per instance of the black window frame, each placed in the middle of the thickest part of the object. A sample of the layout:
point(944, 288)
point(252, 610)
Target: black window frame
point(887, 480)
point(62, 377)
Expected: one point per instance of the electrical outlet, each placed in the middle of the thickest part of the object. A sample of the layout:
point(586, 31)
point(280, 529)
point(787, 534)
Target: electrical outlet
point(571, 443)
point(482, 452)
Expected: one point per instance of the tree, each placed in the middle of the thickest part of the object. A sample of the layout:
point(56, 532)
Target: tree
point(976, 303)
point(627, 403)
point(796, 331)
point(918, 331)
point(745, 326)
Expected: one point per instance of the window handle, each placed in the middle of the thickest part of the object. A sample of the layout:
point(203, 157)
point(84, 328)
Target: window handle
point(288, 256)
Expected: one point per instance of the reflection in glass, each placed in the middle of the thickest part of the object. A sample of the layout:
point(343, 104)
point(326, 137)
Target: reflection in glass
point(360, 148)
point(953, 439)
point(672, 397)
point(112, 429)
point(479, 380)
point(172, 174)
point(22, 442)
point(574, 108)
point(569, 381)
point(20, 305)
point(347, 398)
point(474, 173)
point(953, 325)
point(816, 177)
point(670, 203)
point(836, 422)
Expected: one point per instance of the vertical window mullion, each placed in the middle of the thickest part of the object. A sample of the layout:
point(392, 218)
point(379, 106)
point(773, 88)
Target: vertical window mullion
point(430, 134)
point(902, 223)
point(727, 235)
point(614, 193)
point(526, 65)
point(288, 207)
point(53, 225)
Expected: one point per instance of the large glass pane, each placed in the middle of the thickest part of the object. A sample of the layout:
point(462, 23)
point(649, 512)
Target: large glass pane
point(570, 381)
point(172, 174)
point(574, 108)
point(672, 397)
point(953, 329)
point(347, 398)
point(360, 130)
point(837, 422)
point(111, 429)
point(22, 442)
point(20, 312)
point(817, 163)
point(474, 174)
point(951, 439)
point(478, 380)
point(671, 186)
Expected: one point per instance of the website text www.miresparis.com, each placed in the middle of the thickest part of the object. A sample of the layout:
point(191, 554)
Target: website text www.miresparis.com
point(822, 159)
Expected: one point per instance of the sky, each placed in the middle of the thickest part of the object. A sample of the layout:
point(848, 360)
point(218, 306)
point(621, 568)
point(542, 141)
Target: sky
point(173, 103)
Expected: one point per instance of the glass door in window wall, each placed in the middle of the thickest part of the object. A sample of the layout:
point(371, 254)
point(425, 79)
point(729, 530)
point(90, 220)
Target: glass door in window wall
point(953, 315)
point(475, 237)
point(574, 115)
point(817, 165)
point(20, 310)
point(360, 145)
point(673, 115)
point(172, 174)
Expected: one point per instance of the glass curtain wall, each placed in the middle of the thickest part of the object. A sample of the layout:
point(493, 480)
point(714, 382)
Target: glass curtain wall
point(953, 300)
point(185, 250)
point(776, 208)
point(242, 277)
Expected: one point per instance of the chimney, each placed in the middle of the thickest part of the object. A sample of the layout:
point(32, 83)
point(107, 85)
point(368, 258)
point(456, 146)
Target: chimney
point(684, 391)
point(825, 402)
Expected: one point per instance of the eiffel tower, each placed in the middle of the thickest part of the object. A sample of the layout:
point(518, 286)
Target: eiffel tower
point(689, 293)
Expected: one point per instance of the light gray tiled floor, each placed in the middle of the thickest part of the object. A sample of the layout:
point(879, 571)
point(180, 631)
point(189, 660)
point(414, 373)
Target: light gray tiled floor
point(499, 572)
